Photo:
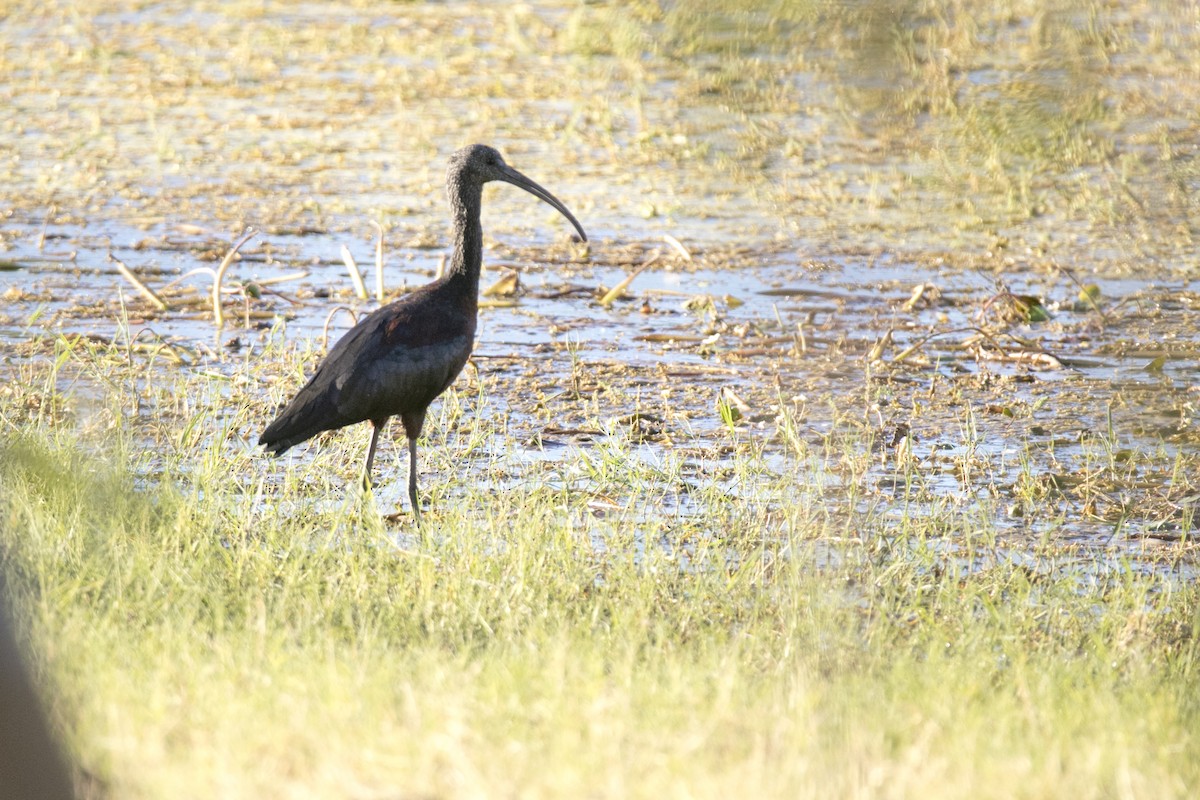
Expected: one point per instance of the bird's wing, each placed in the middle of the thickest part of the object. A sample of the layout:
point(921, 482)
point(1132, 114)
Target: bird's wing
point(396, 360)
point(403, 357)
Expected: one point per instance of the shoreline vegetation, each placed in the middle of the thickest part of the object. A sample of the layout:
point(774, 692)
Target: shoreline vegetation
point(207, 642)
point(887, 492)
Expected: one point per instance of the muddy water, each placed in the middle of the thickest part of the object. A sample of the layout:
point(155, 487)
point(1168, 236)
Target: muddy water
point(152, 137)
point(1077, 428)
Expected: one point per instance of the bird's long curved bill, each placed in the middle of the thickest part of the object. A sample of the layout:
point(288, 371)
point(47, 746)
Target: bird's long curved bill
point(517, 179)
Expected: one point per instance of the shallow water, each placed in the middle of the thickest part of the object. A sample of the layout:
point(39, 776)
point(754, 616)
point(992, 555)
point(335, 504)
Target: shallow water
point(1088, 445)
point(812, 201)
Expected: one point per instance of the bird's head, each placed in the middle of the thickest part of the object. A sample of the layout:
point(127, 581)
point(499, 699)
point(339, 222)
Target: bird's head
point(477, 164)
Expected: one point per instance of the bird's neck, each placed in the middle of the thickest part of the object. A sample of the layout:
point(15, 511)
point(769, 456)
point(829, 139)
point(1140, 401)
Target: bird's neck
point(467, 258)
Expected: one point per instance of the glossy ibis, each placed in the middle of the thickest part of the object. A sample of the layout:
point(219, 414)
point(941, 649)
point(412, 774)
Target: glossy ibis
point(400, 357)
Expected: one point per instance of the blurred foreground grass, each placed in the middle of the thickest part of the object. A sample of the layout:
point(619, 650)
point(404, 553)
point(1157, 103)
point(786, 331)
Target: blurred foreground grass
point(201, 641)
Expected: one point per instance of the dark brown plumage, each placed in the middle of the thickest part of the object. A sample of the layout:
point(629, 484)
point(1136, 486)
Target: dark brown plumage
point(403, 355)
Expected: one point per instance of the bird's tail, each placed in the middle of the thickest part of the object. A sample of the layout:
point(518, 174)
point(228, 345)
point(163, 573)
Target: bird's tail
point(303, 419)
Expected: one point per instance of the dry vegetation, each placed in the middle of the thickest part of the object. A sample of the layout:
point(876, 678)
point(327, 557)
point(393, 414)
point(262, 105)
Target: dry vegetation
point(877, 479)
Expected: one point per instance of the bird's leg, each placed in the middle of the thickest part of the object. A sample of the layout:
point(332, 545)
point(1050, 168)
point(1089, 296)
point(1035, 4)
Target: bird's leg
point(413, 422)
point(412, 479)
point(376, 427)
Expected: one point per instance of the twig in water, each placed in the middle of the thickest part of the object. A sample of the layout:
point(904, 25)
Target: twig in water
point(678, 245)
point(145, 290)
point(299, 274)
point(218, 316)
point(378, 261)
point(329, 318)
point(360, 288)
point(41, 242)
point(612, 294)
point(159, 345)
point(1085, 295)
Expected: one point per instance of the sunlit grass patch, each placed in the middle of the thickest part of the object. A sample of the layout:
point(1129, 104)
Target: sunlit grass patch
point(219, 634)
point(934, 548)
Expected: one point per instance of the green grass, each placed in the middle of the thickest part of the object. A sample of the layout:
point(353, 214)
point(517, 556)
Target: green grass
point(219, 635)
point(205, 622)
